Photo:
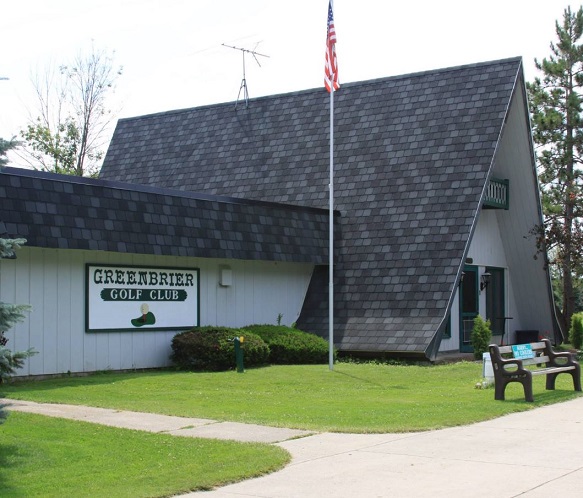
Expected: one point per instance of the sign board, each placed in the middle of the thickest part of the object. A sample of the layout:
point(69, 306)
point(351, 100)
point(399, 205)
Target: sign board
point(132, 298)
point(522, 351)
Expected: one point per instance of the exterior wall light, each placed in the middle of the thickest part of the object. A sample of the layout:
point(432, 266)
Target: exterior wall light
point(484, 280)
point(225, 276)
point(461, 279)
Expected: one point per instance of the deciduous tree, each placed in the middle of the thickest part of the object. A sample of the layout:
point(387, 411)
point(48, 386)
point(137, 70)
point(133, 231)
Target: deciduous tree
point(67, 134)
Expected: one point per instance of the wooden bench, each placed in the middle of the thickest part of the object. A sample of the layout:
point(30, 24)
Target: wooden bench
point(508, 370)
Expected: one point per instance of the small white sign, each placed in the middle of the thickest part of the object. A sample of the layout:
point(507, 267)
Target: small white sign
point(132, 298)
point(522, 351)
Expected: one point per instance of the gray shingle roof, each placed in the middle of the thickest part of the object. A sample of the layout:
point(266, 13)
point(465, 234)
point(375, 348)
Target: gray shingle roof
point(412, 154)
point(78, 213)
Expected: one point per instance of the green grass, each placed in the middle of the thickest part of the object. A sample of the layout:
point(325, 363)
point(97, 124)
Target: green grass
point(42, 456)
point(351, 398)
point(49, 457)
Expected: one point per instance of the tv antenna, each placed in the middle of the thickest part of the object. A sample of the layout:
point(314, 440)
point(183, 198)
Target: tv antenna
point(243, 86)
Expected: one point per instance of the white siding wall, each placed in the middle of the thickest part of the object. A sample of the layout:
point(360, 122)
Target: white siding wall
point(486, 249)
point(530, 282)
point(503, 239)
point(53, 282)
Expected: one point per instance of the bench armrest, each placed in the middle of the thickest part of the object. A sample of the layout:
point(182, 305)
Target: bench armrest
point(511, 361)
point(563, 355)
point(500, 363)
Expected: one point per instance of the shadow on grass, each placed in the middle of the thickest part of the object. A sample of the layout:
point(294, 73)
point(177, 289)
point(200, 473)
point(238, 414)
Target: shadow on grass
point(368, 381)
point(542, 398)
point(90, 379)
point(10, 454)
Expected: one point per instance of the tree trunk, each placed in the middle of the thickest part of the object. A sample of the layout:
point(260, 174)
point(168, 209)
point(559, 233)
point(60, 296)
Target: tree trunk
point(568, 294)
point(568, 299)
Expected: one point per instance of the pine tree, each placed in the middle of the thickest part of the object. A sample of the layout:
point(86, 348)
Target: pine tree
point(5, 146)
point(556, 101)
point(10, 314)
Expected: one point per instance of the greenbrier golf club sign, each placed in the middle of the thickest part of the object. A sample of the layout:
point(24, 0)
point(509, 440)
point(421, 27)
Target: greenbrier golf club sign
point(126, 298)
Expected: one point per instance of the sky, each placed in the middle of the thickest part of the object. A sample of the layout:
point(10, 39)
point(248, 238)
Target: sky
point(172, 54)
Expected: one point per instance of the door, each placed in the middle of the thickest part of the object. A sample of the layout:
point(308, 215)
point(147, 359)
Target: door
point(469, 306)
point(495, 302)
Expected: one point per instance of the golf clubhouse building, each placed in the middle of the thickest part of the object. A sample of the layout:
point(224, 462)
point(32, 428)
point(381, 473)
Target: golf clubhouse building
point(218, 215)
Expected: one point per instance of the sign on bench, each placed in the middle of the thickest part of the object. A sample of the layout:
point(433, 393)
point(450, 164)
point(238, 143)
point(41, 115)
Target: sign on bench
point(522, 351)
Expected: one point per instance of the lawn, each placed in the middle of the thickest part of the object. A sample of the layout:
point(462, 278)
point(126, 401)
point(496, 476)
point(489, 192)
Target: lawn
point(49, 457)
point(42, 456)
point(351, 398)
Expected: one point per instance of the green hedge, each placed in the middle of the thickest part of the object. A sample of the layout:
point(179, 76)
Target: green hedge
point(212, 348)
point(481, 336)
point(576, 330)
point(290, 346)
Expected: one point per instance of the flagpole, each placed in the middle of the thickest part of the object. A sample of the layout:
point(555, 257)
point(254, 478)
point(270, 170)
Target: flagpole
point(331, 241)
point(331, 83)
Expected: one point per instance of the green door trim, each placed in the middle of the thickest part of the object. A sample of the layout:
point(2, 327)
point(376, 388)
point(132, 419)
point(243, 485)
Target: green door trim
point(469, 305)
point(496, 300)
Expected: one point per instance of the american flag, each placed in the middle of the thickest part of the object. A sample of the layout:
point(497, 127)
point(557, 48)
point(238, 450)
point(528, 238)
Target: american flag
point(331, 68)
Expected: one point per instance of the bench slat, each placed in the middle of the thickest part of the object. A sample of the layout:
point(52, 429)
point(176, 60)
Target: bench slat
point(551, 370)
point(535, 347)
point(537, 360)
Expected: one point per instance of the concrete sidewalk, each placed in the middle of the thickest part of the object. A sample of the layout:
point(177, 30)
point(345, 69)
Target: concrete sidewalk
point(535, 454)
point(151, 422)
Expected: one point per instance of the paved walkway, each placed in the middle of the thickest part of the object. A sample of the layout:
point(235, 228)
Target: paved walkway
point(534, 454)
point(151, 422)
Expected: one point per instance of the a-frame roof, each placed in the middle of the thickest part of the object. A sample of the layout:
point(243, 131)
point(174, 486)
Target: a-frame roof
point(412, 156)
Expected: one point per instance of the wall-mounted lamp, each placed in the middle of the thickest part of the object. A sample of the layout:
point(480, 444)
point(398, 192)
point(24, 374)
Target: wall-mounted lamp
point(225, 276)
point(462, 278)
point(484, 280)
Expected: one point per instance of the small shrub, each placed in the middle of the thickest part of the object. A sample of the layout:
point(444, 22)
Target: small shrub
point(212, 348)
point(576, 330)
point(481, 336)
point(289, 346)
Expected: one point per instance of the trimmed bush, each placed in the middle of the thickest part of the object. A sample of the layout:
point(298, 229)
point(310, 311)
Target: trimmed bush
point(576, 330)
point(212, 348)
point(481, 336)
point(290, 346)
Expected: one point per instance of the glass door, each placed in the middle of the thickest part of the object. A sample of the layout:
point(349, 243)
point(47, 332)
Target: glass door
point(469, 306)
point(495, 301)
